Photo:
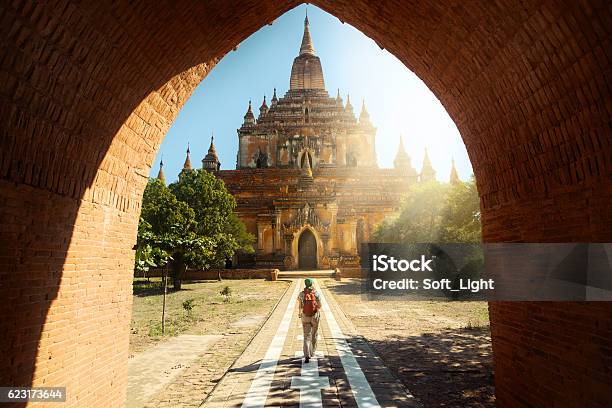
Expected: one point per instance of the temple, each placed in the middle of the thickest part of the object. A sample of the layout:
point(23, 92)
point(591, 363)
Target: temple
point(307, 182)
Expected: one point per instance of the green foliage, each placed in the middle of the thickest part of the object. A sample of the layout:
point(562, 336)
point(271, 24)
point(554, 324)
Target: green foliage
point(147, 255)
point(244, 238)
point(226, 293)
point(188, 305)
point(461, 216)
point(435, 212)
point(191, 222)
point(206, 195)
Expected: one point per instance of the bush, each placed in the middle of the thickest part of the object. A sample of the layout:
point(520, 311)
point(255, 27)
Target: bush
point(226, 293)
point(188, 306)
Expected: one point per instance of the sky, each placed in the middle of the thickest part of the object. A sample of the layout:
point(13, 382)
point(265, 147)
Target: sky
point(397, 100)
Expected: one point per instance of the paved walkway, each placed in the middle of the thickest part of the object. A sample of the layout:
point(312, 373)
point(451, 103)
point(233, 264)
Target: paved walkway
point(345, 373)
point(151, 370)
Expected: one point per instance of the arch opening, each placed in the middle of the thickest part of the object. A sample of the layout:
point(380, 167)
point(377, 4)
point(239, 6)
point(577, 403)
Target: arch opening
point(73, 171)
point(307, 250)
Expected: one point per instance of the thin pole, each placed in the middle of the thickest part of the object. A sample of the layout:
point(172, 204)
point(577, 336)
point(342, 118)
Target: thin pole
point(165, 278)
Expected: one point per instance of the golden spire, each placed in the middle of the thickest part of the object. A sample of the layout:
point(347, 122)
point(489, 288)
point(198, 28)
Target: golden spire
point(160, 175)
point(211, 148)
point(307, 47)
point(427, 171)
point(348, 106)
point(187, 164)
point(211, 160)
point(403, 163)
point(306, 71)
point(364, 116)
point(402, 160)
point(454, 176)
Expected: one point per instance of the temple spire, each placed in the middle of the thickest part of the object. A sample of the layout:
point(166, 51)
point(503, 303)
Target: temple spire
point(427, 171)
point(160, 175)
point(187, 164)
point(249, 118)
point(263, 109)
point(306, 71)
point(454, 176)
point(339, 99)
point(274, 98)
point(211, 160)
point(402, 160)
point(307, 47)
point(348, 107)
point(364, 116)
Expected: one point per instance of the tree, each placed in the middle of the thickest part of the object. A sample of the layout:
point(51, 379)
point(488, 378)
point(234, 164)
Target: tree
point(214, 208)
point(460, 221)
point(244, 238)
point(435, 212)
point(147, 255)
point(192, 221)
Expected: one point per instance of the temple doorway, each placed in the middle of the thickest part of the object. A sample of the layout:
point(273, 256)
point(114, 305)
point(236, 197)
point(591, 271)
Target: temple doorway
point(307, 250)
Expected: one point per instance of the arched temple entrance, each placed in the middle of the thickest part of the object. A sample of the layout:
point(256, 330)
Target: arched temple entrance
point(89, 90)
point(307, 250)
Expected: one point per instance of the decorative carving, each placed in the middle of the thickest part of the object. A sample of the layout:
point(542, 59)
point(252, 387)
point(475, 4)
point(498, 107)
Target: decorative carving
point(306, 216)
point(325, 263)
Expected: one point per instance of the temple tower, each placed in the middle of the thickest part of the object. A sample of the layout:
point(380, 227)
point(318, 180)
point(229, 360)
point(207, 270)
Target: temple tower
point(306, 120)
point(306, 72)
point(454, 176)
point(187, 164)
point(428, 173)
point(160, 175)
point(402, 161)
point(211, 161)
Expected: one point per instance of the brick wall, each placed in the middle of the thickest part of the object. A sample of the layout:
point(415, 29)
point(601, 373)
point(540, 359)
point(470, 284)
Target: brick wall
point(88, 90)
point(213, 274)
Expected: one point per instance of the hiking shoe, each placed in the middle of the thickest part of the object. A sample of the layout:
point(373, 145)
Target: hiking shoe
point(307, 359)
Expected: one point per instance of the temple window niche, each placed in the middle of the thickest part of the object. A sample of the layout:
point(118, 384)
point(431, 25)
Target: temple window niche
point(303, 159)
point(261, 160)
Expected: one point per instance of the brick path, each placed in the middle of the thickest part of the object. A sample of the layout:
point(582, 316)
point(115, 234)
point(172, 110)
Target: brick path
point(346, 372)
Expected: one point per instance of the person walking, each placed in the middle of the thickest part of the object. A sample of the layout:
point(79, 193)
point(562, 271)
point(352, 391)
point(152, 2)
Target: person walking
point(309, 313)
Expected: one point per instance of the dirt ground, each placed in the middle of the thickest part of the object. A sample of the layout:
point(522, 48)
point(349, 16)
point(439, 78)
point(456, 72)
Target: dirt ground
point(211, 313)
point(441, 351)
point(236, 320)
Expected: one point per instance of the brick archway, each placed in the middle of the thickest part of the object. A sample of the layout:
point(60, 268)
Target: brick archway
point(89, 90)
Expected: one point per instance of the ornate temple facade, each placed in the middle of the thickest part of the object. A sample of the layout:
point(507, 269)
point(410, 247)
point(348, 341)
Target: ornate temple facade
point(307, 182)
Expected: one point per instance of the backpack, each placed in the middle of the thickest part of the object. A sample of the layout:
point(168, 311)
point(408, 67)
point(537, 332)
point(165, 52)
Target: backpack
point(310, 303)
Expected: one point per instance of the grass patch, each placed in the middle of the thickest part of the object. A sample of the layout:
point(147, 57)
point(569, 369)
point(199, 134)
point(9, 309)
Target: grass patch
point(200, 308)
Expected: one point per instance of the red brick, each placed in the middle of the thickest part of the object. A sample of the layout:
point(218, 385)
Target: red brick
point(90, 89)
